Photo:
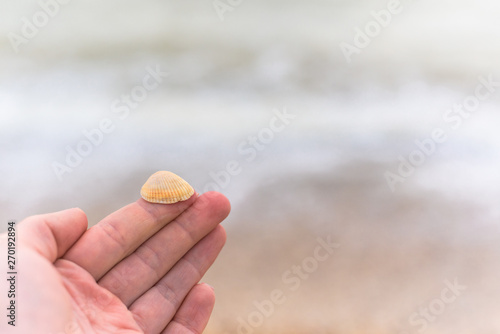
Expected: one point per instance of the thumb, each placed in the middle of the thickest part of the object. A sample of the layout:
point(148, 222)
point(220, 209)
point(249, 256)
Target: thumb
point(52, 234)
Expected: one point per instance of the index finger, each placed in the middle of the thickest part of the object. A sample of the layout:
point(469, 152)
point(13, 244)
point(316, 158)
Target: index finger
point(119, 234)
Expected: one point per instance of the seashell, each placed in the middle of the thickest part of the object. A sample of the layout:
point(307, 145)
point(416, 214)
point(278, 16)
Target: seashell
point(167, 188)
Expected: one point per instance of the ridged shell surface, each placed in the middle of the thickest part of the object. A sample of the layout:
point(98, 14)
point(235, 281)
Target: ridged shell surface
point(166, 188)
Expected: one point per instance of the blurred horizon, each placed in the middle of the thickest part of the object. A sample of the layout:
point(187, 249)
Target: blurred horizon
point(105, 94)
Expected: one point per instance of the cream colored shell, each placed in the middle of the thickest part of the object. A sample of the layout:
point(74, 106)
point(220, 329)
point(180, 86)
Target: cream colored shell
point(167, 188)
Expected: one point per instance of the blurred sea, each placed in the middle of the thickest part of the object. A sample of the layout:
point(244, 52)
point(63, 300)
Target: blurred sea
point(324, 171)
point(225, 79)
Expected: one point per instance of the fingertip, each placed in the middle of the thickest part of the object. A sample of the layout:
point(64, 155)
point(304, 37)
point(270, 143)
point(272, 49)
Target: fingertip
point(158, 211)
point(79, 215)
point(195, 311)
point(204, 296)
point(74, 217)
point(218, 203)
point(222, 235)
point(79, 210)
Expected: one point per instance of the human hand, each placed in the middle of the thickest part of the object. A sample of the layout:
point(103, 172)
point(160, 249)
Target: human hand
point(136, 271)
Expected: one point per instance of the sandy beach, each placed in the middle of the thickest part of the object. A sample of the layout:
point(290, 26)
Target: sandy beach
point(396, 255)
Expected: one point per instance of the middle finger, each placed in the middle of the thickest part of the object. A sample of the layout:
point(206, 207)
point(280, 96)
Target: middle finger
point(135, 274)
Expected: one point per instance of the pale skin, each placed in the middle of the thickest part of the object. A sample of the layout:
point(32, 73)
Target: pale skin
point(136, 271)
